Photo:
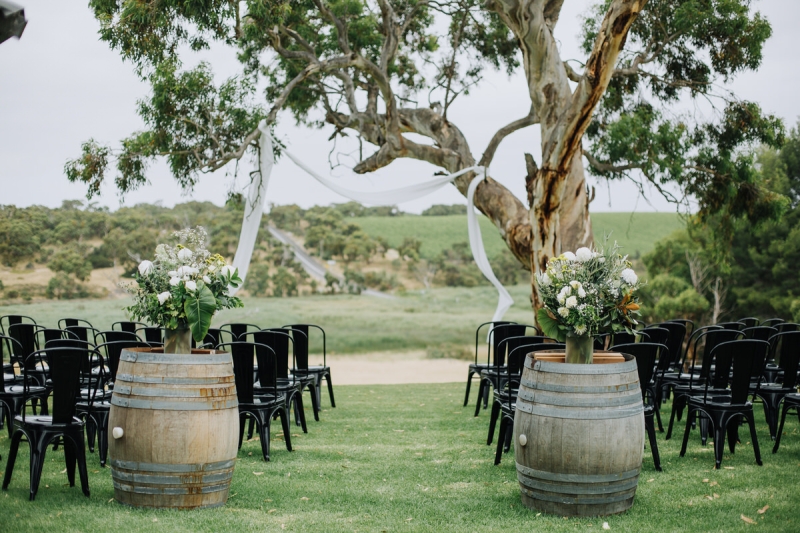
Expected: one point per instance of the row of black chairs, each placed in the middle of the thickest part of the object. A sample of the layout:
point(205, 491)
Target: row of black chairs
point(80, 377)
point(663, 352)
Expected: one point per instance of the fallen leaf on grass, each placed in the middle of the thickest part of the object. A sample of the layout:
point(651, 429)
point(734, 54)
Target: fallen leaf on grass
point(399, 430)
point(271, 511)
point(409, 519)
point(713, 483)
point(304, 499)
point(155, 519)
point(709, 497)
point(748, 520)
point(258, 473)
point(651, 480)
point(728, 467)
point(705, 480)
point(59, 513)
point(763, 509)
point(606, 526)
point(64, 471)
point(109, 501)
point(716, 495)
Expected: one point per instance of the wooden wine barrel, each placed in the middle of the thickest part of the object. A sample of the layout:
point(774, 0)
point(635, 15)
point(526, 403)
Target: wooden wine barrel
point(180, 420)
point(579, 436)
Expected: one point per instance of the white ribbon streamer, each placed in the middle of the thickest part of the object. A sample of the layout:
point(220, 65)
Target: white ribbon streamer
point(257, 194)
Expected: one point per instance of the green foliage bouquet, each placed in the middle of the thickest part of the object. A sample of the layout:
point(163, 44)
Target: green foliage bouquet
point(586, 293)
point(184, 285)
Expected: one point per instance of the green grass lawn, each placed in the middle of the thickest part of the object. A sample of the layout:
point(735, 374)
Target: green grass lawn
point(635, 232)
point(353, 324)
point(410, 458)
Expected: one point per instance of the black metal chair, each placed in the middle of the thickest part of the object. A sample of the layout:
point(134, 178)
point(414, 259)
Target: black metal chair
point(749, 321)
point(278, 339)
point(785, 347)
point(7, 320)
point(655, 335)
point(670, 373)
point(497, 355)
point(235, 330)
point(41, 430)
point(731, 325)
point(499, 375)
point(507, 398)
point(301, 344)
point(476, 367)
point(790, 401)
point(761, 333)
point(693, 382)
point(152, 335)
point(646, 354)
point(783, 327)
point(128, 325)
point(772, 322)
point(94, 409)
point(15, 393)
point(83, 329)
point(735, 363)
point(262, 408)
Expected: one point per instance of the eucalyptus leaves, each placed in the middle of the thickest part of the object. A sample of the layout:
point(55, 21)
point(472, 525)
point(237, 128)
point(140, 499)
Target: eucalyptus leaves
point(586, 293)
point(184, 285)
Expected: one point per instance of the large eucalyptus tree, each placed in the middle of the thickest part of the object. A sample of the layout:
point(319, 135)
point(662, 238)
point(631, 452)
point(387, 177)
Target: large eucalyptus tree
point(364, 66)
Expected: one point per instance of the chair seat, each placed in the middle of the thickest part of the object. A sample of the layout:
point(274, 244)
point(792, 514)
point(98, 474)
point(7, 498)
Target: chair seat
point(718, 402)
point(18, 389)
point(45, 420)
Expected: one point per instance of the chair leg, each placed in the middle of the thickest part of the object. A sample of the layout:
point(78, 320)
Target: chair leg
point(91, 432)
point(493, 422)
point(689, 417)
point(481, 386)
point(287, 435)
point(752, 423)
point(719, 441)
point(242, 419)
point(102, 442)
point(507, 444)
point(38, 450)
point(486, 392)
point(657, 410)
point(330, 388)
point(786, 407)
point(314, 403)
point(250, 428)
point(70, 459)
point(676, 402)
point(263, 432)
point(12, 457)
point(651, 435)
point(300, 412)
point(498, 454)
point(469, 384)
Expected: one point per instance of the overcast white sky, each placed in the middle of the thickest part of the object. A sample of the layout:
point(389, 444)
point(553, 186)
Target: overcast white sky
point(60, 85)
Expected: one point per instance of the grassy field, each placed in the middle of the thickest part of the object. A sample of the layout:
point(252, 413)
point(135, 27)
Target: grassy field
point(409, 458)
point(353, 324)
point(439, 233)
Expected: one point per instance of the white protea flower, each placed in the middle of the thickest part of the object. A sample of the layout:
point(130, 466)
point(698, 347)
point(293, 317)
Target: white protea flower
point(227, 270)
point(629, 276)
point(190, 285)
point(572, 301)
point(174, 281)
point(569, 256)
point(173, 273)
point(563, 311)
point(575, 284)
point(206, 279)
point(544, 280)
point(580, 329)
point(581, 293)
point(185, 254)
point(583, 254)
point(561, 299)
point(145, 267)
point(163, 297)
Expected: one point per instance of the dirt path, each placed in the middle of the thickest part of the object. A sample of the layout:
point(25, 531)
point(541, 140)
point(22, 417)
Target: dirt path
point(389, 368)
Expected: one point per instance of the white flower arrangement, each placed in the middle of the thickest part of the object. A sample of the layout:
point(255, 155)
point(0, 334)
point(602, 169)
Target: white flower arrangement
point(184, 285)
point(586, 293)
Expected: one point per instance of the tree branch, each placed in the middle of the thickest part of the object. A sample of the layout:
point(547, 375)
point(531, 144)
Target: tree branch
point(504, 132)
point(571, 74)
point(341, 30)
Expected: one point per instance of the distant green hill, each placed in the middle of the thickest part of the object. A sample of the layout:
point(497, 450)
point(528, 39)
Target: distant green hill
point(636, 233)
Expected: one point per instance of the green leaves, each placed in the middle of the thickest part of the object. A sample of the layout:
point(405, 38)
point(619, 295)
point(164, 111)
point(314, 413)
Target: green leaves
point(199, 307)
point(550, 326)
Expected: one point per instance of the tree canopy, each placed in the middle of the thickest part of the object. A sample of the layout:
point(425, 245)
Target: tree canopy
point(382, 69)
